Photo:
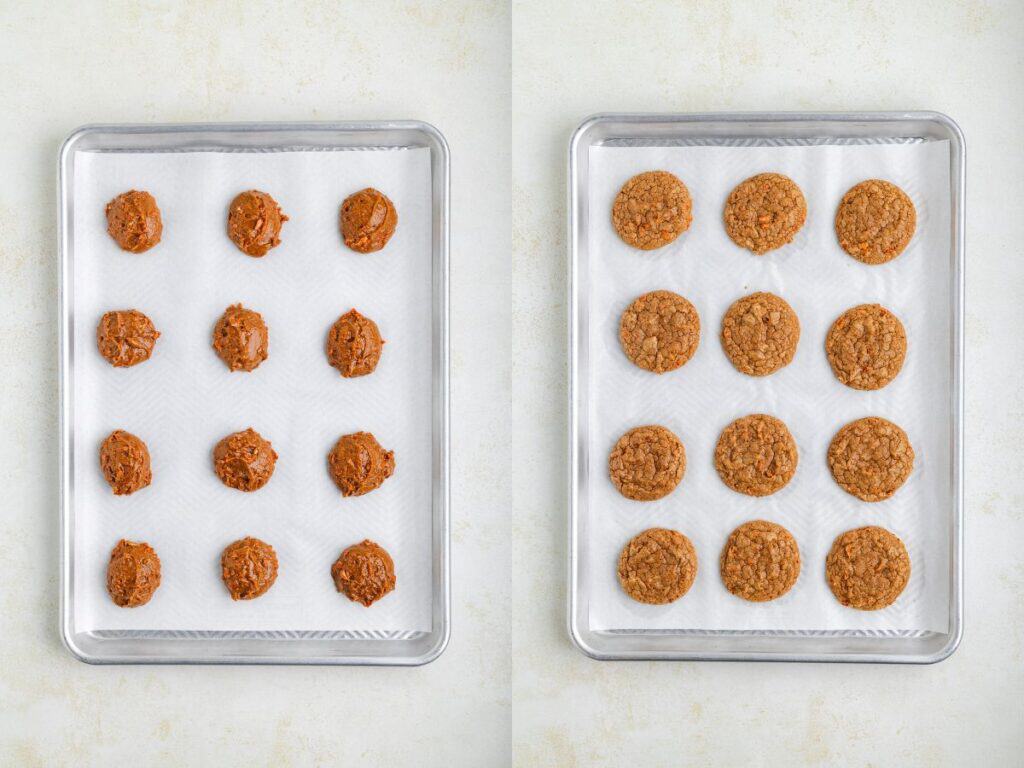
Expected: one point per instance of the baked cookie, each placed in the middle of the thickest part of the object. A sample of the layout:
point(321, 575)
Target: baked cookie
point(760, 561)
point(875, 221)
point(368, 220)
point(133, 574)
point(124, 461)
point(359, 464)
point(756, 455)
point(760, 333)
point(866, 346)
point(364, 572)
point(647, 463)
point(651, 210)
point(659, 331)
point(248, 567)
point(657, 566)
point(126, 337)
point(254, 222)
point(133, 220)
point(871, 458)
point(867, 568)
point(354, 345)
point(241, 339)
point(764, 212)
point(244, 460)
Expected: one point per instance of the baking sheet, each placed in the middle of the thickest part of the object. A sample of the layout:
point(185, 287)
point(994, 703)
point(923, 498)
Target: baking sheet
point(183, 400)
point(820, 281)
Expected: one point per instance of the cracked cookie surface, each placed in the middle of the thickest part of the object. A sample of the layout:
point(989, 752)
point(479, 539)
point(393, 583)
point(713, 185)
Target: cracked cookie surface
point(760, 333)
point(867, 568)
point(647, 463)
point(875, 221)
point(660, 331)
point(756, 455)
point(871, 458)
point(652, 209)
point(657, 566)
point(760, 561)
point(866, 347)
point(764, 212)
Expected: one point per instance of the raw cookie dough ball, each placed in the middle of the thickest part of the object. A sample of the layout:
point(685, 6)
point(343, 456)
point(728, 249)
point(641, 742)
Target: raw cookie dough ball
point(354, 345)
point(651, 210)
point(866, 347)
point(133, 220)
point(248, 567)
point(244, 460)
point(867, 568)
point(764, 212)
point(659, 331)
point(760, 561)
point(875, 221)
point(254, 222)
point(871, 458)
point(133, 573)
point(358, 464)
point(760, 333)
point(241, 338)
point(756, 455)
point(647, 463)
point(364, 572)
point(126, 337)
point(657, 566)
point(368, 220)
point(124, 460)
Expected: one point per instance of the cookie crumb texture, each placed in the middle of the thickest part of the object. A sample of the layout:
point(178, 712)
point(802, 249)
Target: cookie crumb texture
point(254, 222)
point(756, 455)
point(647, 463)
point(867, 568)
point(133, 574)
point(124, 461)
point(241, 339)
point(368, 220)
point(133, 220)
point(651, 210)
point(364, 572)
point(875, 221)
point(126, 337)
point(866, 347)
point(359, 464)
point(765, 212)
point(244, 460)
point(657, 566)
point(354, 345)
point(760, 561)
point(248, 568)
point(660, 331)
point(871, 458)
point(760, 333)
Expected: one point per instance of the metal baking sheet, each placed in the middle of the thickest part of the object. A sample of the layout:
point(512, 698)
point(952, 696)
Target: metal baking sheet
point(298, 646)
point(767, 130)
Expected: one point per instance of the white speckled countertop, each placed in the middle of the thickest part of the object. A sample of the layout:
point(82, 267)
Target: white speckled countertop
point(507, 82)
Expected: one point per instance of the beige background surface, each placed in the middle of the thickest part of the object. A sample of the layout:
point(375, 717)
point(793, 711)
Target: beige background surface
point(506, 83)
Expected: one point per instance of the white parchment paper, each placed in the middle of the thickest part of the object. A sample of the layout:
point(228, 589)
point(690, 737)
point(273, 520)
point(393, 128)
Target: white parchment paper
point(184, 399)
point(820, 282)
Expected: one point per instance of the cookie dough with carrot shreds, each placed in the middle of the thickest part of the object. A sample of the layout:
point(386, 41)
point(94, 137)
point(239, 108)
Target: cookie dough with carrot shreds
point(875, 221)
point(764, 212)
point(652, 209)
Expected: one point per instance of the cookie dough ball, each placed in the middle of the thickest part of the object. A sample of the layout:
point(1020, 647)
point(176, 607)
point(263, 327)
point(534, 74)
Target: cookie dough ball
point(254, 222)
point(124, 460)
point(364, 572)
point(866, 347)
point(248, 567)
point(359, 464)
point(756, 455)
point(354, 345)
point(651, 210)
point(126, 337)
point(871, 458)
point(764, 212)
point(647, 463)
point(657, 566)
point(133, 220)
point(660, 331)
point(867, 568)
point(241, 338)
point(760, 561)
point(760, 333)
point(133, 573)
point(244, 460)
point(368, 220)
point(875, 221)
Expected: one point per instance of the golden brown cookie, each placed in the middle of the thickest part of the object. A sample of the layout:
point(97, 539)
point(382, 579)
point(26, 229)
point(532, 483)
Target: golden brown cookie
point(651, 210)
point(368, 220)
point(764, 212)
point(871, 458)
point(248, 567)
point(647, 463)
point(241, 339)
point(354, 345)
point(760, 333)
point(867, 568)
point(133, 573)
point(124, 460)
point(875, 221)
point(244, 460)
point(866, 346)
point(126, 337)
point(756, 455)
point(659, 331)
point(133, 220)
point(760, 561)
point(364, 572)
point(254, 222)
point(359, 464)
point(657, 566)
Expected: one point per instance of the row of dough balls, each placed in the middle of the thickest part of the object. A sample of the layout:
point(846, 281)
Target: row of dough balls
point(865, 346)
point(867, 568)
point(367, 220)
point(756, 455)
point(874, 222)
point(363, 572)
